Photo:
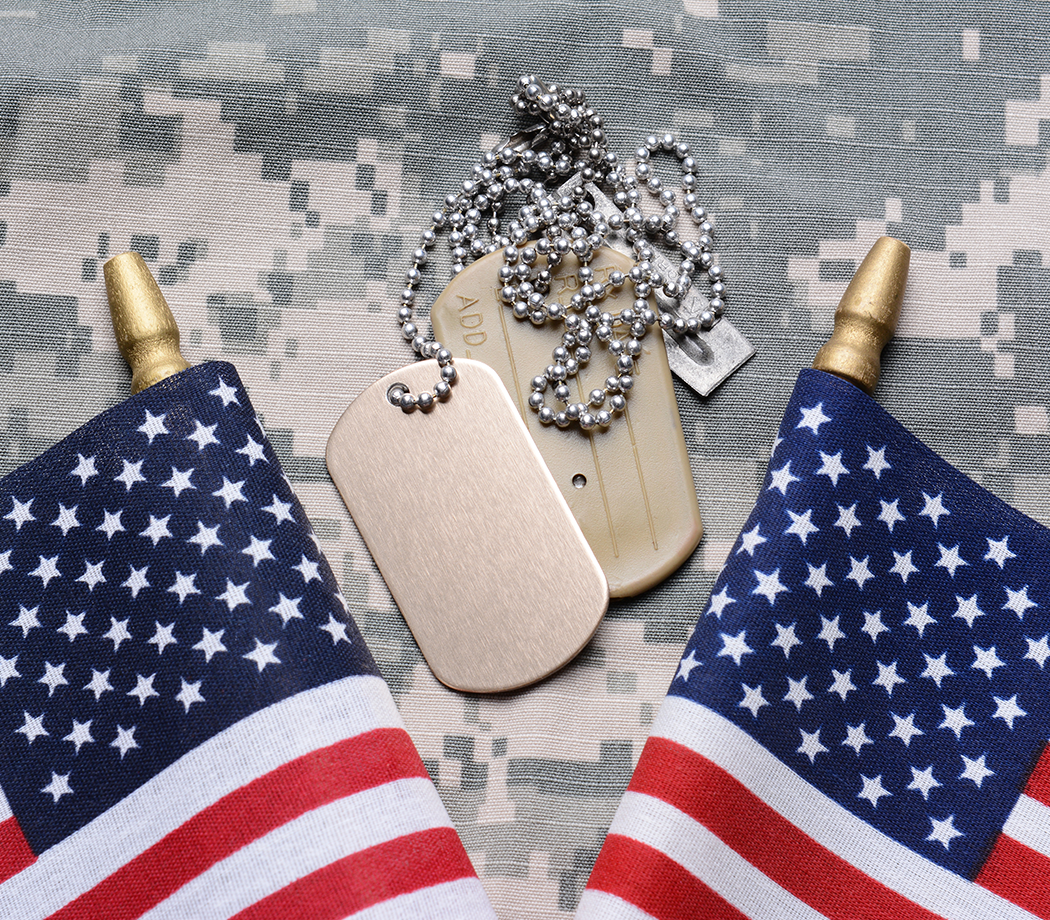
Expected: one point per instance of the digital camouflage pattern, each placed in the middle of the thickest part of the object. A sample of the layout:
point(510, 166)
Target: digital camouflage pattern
point(274, 161)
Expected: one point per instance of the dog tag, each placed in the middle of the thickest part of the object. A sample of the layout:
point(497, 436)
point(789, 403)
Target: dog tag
point(630, 486)
point(476, 543)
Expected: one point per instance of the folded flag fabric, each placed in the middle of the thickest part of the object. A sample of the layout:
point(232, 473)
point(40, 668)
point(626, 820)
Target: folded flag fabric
point(858, 727)
point(191, 724)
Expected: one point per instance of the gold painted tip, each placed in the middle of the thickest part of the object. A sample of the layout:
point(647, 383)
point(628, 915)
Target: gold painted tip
point(146, 332)
point(867, 315)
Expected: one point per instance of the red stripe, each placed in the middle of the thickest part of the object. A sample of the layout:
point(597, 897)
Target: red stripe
point(1038, 787)
point(248, 813)
point(1019, 874)
point(646, 878)
point(377, 874)
point(794, 860)
point(15, 854)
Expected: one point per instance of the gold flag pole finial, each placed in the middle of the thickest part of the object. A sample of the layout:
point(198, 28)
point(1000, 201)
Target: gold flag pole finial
point(867, 315)
point(146, 332)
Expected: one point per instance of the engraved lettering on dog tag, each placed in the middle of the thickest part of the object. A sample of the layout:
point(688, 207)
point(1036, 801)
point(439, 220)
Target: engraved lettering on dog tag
point(630, 487)
point(475, 541)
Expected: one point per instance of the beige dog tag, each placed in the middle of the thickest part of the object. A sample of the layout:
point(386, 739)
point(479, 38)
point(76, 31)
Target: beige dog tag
point(469, 529)
point(630, 487)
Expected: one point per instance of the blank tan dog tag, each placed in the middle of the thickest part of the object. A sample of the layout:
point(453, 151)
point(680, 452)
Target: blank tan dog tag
point(470, 531)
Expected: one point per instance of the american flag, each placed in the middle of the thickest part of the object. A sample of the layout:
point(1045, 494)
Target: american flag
point(191, 724)
point(858, 727)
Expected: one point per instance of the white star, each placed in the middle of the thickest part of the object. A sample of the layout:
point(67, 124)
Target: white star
point(226, 393)
point(230, 492)
point(85, 469)
point(955, 719)
point(1038, 651)
point(53, 677)
point(47, 569)
point(162, 638)
point(234, 595)
point(905, 729)
point(1018, 601)
point(203, 435)
point(859, 571)
point(157, 529)
point(111, 524)
point(888, 678)
point(20, 513)
point(801, 525)
point(81, 734)
point(74, 625)
point(735, 647)
point(211, 643)
point(7, 669)
point(986, 660)
point(998, 552)
point(923, 781)
point(153, 426)
point(889, 514)
point(937, 668)
point(1007, 710)
point(813, 418)
point(93, 574)
point(685, 666)
point(67, 518)
point(873, 789)
point(797, 693)
point(832, 467)
point(830, 632)
point(118, 632)
point(811, 745)
point(873, 624)
point(975, 770)
point(782, 478)
point(58, 787)
point(280, 510)
point(856, 737)
point(966, 609)
point(876, 461)
point(750, 540)
point(308, 569)
point(125, 740)
point(26, 619)
point(337, 631)
point(848, 519)
point(131, 474)
point(205, 537)
point(753, 699)
point(934, 508)
point(143, 690)
point(136, 581)
point(253, 450)
point(786, 639)
point(769, 585)
point(189, 694)
point(720, 601)
point(5, 561)
point(179, 481)
point(99, 683)
point(33, 727)
point(263, 654)
point(287, 609)
point(258, 550)
point(950, 559)
point(944, 831)
point(902, 565)
point(842, 684)
point(818, 578)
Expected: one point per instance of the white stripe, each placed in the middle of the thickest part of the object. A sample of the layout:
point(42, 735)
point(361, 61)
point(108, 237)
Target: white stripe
point(703, 855)
point(311, 842)
point(1029, 823)
point(599, 905)
point(463, 899)
point(843, 833)
point(5, 808)
point(243, 752)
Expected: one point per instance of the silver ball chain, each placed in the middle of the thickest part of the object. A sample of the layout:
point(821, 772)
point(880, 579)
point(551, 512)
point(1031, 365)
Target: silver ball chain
point(554, 224)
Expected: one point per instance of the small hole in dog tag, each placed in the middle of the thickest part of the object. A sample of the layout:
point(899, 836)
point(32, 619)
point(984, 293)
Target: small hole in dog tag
point(476, 542)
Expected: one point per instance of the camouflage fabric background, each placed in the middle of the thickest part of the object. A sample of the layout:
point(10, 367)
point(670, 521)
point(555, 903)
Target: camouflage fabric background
point(275, 160)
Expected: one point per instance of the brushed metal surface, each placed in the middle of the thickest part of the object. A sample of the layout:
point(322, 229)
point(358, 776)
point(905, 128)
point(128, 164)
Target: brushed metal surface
point(477, 545)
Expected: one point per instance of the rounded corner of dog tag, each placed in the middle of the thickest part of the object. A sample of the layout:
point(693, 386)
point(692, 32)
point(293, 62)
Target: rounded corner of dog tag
point(480, 551)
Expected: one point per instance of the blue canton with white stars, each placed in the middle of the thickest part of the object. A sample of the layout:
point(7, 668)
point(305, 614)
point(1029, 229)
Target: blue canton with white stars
point(881, 626)
point(159, 581)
